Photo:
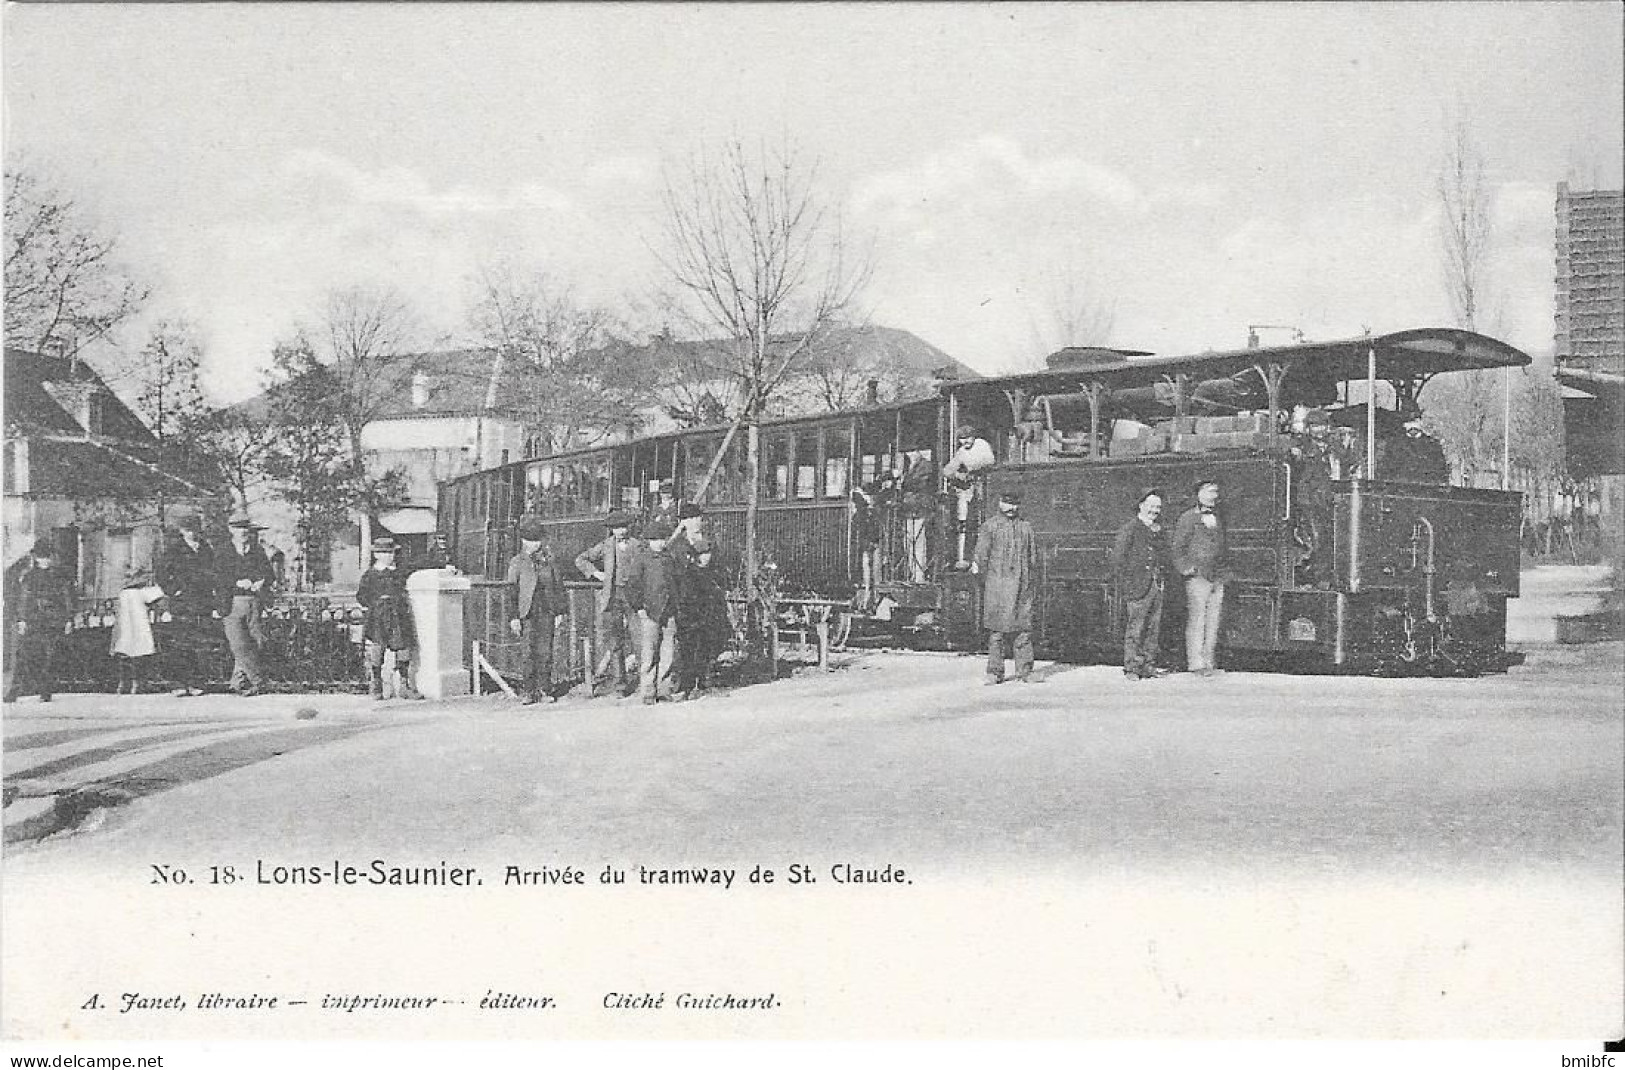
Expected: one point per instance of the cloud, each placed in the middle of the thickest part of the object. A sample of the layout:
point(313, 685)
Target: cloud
point(987, 173)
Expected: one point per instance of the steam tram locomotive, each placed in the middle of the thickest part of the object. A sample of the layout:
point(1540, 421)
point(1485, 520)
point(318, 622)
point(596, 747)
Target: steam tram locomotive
point(1350, 550)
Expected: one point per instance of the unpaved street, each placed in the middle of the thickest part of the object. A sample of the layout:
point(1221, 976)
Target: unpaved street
point(1253, 855)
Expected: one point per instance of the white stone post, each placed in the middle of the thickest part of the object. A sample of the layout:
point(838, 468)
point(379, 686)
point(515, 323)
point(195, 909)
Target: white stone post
point(437, 596)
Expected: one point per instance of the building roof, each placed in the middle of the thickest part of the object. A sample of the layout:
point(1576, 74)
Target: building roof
point(458, 382)
point(37, 386)
point(85, 469)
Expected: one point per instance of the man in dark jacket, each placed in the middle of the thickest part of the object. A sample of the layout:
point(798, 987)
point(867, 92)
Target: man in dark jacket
point(382, 593)
point(44, 596)
point(186, 573)
point(242, 572)
point(542, 604)
point(1201, 555)
point(652, 590)
point(703, 626)
point(1006, 557)
point(610, 564)
point(1139, 560)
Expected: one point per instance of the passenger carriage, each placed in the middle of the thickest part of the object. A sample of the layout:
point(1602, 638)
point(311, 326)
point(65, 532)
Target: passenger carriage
point(1351, 550)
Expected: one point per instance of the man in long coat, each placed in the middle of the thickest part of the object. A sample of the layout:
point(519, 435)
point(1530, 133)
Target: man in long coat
point(1006, 557)
point(1140, 562)
point(187, 575)
point(43, 595)
point(542, 605)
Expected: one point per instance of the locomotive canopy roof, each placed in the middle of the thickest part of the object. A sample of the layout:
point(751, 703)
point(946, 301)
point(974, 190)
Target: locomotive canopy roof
point(1405, 355)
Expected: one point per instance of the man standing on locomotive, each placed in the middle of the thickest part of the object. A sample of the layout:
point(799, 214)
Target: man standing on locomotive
point(542, 605)
point(973, 456)
point(1201, 555)
point(1006, 558)
point(1140, 561)
point(610, 564)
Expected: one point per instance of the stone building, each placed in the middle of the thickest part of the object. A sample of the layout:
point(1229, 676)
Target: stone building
point(83, 471)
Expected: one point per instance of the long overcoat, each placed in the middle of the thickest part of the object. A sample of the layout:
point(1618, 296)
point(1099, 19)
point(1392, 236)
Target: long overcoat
point(1007, 558)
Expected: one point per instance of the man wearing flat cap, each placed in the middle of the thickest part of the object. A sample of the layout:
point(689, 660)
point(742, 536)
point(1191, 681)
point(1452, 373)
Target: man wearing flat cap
point(44, 602)
point(1006, 557)
point(242, 574)
point(540, 608)
point(610, 563)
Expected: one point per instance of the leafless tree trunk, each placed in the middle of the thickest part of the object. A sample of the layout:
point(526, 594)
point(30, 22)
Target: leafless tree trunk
point(1466, 410)
point(759, 257)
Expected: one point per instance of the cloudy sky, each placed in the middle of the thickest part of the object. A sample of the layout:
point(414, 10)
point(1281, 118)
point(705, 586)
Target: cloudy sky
point(1204, 167)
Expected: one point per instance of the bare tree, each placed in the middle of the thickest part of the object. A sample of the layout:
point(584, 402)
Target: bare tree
point(564, 374)
point(1466, 411)
point(64, 285)
point(758, 256)
point(1071, 308)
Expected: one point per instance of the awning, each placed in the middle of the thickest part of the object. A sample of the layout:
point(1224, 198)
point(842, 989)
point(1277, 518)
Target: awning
point(413, 520)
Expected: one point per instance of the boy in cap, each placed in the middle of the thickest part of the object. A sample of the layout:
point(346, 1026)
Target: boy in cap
point(44, 603)
point(382, 593)
point(610, 563)
point(542, 605)
point(1006, 558)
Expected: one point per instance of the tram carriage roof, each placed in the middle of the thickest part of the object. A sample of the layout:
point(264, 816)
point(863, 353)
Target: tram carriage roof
point(1404, 355)
point(1412, 354)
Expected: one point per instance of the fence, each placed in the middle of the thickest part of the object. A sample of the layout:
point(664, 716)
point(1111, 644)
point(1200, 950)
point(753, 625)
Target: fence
point(307, 644)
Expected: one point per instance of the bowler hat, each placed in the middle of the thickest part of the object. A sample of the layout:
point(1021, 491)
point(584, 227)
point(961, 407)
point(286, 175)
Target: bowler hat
point(531, 527)
point(383, 544)
point(42, 548)
point(617, 520)
point(1205, 481)
point(689, 509)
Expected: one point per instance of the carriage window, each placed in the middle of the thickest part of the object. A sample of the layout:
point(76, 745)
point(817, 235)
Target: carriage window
point(807, 465)
point(777, 469)
point(734, 473)
point(836, 460)
point(696, 466)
